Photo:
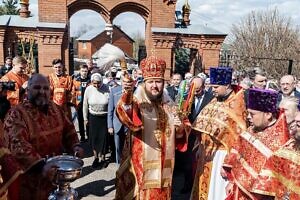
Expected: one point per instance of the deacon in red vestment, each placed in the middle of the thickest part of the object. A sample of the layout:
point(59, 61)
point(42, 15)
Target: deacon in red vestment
point(147, 164)
point(17, 75)
point(62, 89)
point(279, 177)
point(35, 130)
point(217, 126)
point(266, 134)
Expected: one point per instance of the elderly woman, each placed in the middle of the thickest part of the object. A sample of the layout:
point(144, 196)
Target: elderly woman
point(95, 104)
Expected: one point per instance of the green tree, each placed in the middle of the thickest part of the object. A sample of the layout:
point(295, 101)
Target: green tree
point(9, 7)
point(182, 60)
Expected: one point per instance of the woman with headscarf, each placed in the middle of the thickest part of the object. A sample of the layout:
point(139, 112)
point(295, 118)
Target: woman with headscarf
point(95, 104)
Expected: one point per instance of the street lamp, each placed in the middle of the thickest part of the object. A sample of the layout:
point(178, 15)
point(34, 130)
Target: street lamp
point(109, 31)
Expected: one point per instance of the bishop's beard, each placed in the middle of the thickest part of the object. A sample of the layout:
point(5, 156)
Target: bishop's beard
point(154, 98)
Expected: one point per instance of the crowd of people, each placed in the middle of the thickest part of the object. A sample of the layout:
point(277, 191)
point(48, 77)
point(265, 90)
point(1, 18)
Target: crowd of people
point(235, 135)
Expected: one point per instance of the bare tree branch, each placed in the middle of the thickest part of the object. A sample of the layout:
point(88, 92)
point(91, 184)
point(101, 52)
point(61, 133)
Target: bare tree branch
point(268, 40)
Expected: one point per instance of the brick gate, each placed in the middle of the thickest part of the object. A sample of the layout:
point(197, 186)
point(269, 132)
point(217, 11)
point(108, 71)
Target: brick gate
point(51, 31)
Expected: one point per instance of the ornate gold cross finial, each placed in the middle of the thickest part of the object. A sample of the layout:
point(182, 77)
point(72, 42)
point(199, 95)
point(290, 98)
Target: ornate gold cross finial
point(186, 5)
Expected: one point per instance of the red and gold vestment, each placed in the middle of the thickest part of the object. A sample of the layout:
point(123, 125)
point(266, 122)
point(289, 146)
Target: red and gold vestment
point(147, 164)
point(32, 135)
point(9, 171)
point(62, 91)
point(19, 79)
point(249, 155)
point(279, 177)
point(219, 123)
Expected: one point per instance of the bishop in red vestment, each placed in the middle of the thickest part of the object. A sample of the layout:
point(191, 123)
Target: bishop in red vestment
point(147, 164)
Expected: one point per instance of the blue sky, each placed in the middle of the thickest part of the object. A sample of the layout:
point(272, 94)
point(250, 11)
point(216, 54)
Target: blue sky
point(218, 14)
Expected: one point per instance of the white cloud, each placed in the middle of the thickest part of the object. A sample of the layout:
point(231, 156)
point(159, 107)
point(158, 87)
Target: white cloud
point(218, 14)
point(131, 23)
point(221, 14)
point(88, 17)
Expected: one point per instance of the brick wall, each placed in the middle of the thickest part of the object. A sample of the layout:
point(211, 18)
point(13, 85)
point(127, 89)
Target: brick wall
point(121, 41)
point(165, 54)
point(160, 15)
point(163, 15)
point(210, 58)
point(46, 54)
point(86, 52)
point(54, 11)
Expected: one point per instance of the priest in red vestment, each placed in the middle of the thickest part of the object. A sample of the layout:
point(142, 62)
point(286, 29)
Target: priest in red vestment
point(217, 126)
point(266, 134)
point(279, 177)
point(34, 130)
point(147, 164)
point(62, 89)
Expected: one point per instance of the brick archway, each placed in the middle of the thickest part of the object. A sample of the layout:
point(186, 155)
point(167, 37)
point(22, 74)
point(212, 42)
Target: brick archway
point(130, 7)
point(90, 5)
point(109, 11)
point(159, 13)
point(51, 28)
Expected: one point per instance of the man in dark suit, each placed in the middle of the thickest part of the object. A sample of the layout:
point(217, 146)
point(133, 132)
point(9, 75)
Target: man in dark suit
point(6, 67)
point(113, 123)
point(202, 98)
point(173, 89)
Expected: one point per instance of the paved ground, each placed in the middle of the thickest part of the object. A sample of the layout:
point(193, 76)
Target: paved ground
point(95, 183)
point(100, 183)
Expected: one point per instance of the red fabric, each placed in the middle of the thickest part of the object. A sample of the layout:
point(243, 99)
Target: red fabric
point(244, 151)
point(131, 175)
point(14, 190)
point(280, 175)
point(153, 67)
point(13, 96)
point(31, 135)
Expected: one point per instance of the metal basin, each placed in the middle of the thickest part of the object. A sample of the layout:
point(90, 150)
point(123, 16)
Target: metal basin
point(68, 168)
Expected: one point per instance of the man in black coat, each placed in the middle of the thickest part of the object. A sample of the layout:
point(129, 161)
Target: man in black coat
point(6, 67)
point(202, 98)
point(173, 89)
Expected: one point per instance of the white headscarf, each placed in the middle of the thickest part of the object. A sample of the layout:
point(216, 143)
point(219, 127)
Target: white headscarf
point(96, 77)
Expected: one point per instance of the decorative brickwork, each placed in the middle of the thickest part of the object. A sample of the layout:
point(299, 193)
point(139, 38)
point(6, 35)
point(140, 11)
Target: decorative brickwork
point(53, 42)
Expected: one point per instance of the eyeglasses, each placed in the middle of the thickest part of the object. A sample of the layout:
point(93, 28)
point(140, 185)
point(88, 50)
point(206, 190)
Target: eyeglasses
point(297, 123)
point(294, 125)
